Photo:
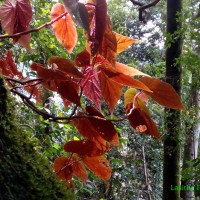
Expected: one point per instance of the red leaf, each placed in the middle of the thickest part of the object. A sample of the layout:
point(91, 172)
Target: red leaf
point(86, 129)
point(105, 128)
point(83, 147)
point(91, 86)
point(143, 123)
point(69, 90)
point(12, 65)
point(47, 74)
point(64, 28)
point(110, 90)
point(79, 168)
point(8, 67)
point(99, 165)
point(4, 68)
point(64, 65)
point(16, 18)
point(98, 25)
point(109, 44)
point(163, 93)
point(62, 168)
point(7, 16)
point(23, 16)
point(82, 59)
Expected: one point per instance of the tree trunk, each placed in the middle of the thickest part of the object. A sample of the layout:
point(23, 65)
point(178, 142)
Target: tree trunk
point(172, 147)
point(24, 173)
point(192, 133)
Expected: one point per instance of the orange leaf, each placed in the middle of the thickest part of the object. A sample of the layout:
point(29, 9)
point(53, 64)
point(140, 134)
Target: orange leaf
point(62, 168)
point(163, 93)
point(123, 79)
point(69, 90)
point(123, 42)
point(110, 89)
point(79, 168)
point(143, 123)
point(64, 28)
point(126, 70)
point(83, 147)
point(99, 165)
point(65, 65)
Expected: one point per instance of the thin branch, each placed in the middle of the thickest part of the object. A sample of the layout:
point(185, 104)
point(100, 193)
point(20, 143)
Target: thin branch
point(146, 174)
point(33, 30)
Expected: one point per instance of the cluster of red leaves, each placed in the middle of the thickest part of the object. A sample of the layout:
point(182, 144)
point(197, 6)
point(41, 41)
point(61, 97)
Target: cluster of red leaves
point(96, 74)
point(9, 69)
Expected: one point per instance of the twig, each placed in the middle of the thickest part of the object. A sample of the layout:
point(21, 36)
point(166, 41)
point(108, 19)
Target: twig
point(33, 30)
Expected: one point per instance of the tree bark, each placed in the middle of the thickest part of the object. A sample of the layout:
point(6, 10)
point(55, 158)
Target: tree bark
point(192, 136)
point(172, 147)
point(24, 173)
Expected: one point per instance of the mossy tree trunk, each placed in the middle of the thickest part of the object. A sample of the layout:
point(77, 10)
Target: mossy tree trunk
point(172, 151)
point(24, 173)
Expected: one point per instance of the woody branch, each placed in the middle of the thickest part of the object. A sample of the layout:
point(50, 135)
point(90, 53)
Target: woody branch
point(143, 7)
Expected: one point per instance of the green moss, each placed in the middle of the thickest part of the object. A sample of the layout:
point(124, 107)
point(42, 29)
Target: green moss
point(24, 173)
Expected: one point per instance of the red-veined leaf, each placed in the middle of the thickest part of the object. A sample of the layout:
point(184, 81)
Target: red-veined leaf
point(65, 65)
point(64, 28)
point(99, 165)
point(62, 168)
point(69, 90)
point(83, 147)
point(91, 86)
point(123, 42)
point(143, 123)
point(163, 93)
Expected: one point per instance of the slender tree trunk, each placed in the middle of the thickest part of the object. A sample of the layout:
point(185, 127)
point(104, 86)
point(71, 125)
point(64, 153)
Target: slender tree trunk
point(192, 135)
point(172, 147)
